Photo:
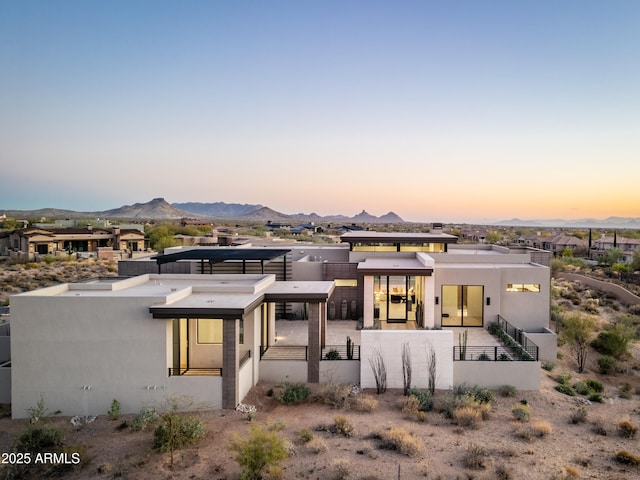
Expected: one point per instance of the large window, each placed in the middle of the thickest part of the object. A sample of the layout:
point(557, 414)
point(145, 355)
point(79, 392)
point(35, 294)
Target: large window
point(209, 330)
point(396, 297)
point(462, 305)
point(523, 287)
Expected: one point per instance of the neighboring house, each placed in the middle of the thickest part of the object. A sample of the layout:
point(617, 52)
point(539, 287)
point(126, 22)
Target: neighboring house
point(209, 333)
point(33, 242)
point(628, 246)
point(557, 244)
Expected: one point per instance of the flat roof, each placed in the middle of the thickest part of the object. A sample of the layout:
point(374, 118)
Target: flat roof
point(398, 266)
point(216, 255)
point(397, 237)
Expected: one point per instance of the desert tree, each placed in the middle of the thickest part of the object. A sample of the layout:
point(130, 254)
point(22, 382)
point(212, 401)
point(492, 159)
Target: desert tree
point(406, 367)
point(577, 330)
point(379, 368)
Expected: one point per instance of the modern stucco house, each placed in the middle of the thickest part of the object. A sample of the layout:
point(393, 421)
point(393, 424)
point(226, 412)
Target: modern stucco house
point(201, 322)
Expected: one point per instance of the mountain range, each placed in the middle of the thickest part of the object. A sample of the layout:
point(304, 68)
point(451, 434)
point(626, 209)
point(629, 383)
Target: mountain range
point(160, 209)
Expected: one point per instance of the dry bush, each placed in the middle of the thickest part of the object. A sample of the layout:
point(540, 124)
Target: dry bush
point(317, 445)
point(334, 395)
point(627, 428)
point(627, 458)
point(363, 403)
point(571, 472)
point(521, 412)
point(503, 473)
point(410, 406)
point(401, 440)
point(598, 427)
point(467, 417)
point(578, 415)
point(340, 469)
point(474, 457)
point(541, 429)
point(342, 426)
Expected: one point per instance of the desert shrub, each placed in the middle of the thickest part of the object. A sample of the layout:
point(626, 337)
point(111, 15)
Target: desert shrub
point(627, 458)
point(38, 438)
point(147, 416)
point(582, 388)
point(401, 440)
point(340, 469)
point(317, 445)
point(114, 411)
point(563, 378)
point(571, 472)
point(332, 354)
point(503, 473)
point(548, 365)
point(277, 425)
point(342, 426)
point(596, 397)
point(293, 393)
point(463, 396)
point(476, 392)
point(566, 389)
point(615, 340)
point(607, 364)
point(521, 412)
point(468, 416)
point(260, 451)
point(305, 435)
point(410, 405)
point(424, 397)
point(595, 385)
point(625, 391)
point(578, 415)
point(627, 429)
point(363, 403)
point(334, 395)
point(177, 431)
point(541, 429)
point(598, 427)
point(474, 457)
point(508, 391)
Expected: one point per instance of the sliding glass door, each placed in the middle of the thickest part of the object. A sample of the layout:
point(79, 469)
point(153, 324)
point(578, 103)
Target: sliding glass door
point(462, 305)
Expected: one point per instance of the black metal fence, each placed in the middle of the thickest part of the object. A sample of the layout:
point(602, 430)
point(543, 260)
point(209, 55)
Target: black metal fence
point(489, 353)
point(341, 352)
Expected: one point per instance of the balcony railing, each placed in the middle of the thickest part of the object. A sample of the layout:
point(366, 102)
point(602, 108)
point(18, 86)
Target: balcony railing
point(492, 353)
point(214, 372)
point(340, 352)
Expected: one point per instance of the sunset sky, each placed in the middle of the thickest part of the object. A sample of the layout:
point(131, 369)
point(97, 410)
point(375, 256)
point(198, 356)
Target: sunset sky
point(437, 110)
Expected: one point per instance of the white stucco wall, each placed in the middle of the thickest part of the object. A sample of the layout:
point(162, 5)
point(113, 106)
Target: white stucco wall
point(80, 353)
point(390, 342)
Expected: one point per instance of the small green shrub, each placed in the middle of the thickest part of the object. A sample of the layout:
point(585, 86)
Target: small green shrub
point(114, 411)
point(563, 378)
point(508, 391)
point(615, 340)
point(596, 397)
point(607, 364)
point(261, 451)
point(521, 412)
point(625, 391)
point(548, 365)
point(332, 354)
point(146, 417)
point(293, 393)
point(305, 435)
point(595, 385)
point(582, 388)
point(425, 399)
point(566, 389)
point(38, 438)
point(176, 432)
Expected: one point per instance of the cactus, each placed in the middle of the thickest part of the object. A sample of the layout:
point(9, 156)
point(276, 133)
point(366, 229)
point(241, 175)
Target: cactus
point(462, 343)
point(349, 348)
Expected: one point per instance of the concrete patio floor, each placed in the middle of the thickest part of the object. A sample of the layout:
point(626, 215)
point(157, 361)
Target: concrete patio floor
point(295, 332)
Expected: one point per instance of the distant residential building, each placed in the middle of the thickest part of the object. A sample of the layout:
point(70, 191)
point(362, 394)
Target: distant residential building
point(628, 246)
point(560, 243)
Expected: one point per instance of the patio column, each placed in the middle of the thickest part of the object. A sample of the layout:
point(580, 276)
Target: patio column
point(230, 363)
point(314, 349)
point(323, 325)
point(271, 315)
point(367, 302)
point(428, 301)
